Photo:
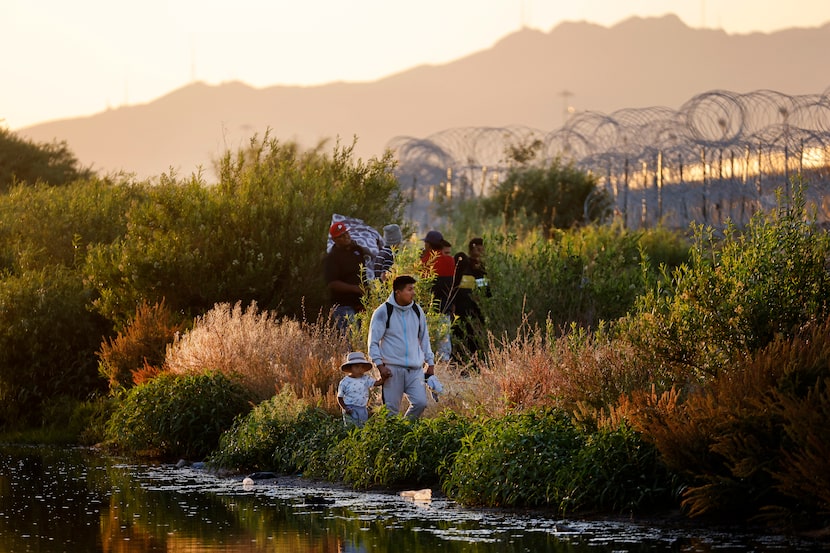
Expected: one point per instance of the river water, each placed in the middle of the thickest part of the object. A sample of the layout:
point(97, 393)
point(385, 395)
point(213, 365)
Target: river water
point(74, 500)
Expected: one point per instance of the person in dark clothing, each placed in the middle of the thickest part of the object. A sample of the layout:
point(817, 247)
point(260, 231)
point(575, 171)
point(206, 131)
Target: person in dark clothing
point(470, 274)
point(442, 266)
point(343, 269)
point(433, 258)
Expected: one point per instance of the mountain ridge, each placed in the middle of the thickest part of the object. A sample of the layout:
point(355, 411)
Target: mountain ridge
point(527, 78)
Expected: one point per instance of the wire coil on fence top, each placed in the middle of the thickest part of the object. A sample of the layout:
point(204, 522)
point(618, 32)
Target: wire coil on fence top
point(722, 154)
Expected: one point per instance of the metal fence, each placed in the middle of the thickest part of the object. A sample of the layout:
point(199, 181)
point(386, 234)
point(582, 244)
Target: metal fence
point(721, 155)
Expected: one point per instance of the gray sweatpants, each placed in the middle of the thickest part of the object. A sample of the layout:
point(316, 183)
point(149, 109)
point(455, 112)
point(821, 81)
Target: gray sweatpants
point(409, 382)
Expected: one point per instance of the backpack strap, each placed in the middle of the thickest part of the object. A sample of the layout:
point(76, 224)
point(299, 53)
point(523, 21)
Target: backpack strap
point(415, 307)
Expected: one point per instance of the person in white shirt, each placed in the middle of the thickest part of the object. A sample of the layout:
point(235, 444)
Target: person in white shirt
point(353, 390)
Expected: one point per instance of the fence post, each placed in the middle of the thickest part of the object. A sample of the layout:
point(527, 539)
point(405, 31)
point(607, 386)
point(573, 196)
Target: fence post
point(659, 186)
point(703, 172)
point(758, 179)
point(625, 194)
point(643, 201)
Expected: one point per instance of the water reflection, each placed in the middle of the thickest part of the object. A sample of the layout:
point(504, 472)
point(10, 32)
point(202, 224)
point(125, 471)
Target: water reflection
point(74, 500)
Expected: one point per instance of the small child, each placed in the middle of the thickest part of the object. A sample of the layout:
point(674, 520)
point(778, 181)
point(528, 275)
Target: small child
point(353, 391)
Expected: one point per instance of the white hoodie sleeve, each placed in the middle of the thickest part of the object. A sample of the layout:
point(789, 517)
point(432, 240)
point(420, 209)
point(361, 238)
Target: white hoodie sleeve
point(377, 328)
point(429, 357)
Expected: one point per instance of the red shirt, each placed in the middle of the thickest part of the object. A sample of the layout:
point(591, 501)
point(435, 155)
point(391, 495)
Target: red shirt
point(443, 265)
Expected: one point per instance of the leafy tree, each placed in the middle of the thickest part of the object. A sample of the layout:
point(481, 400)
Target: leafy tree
point(25, 161)
point(48, 341)
point(552, 196)
point(738, 292)
point(258, 235)
point(43, 225)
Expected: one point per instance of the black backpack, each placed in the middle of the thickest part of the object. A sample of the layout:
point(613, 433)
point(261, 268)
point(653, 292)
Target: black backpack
point(415, 307)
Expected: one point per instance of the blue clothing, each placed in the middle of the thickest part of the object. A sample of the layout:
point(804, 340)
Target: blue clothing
point(358, 416)
point(405, 343)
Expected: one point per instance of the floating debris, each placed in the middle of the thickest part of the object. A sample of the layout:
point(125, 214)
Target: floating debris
point(417, 495)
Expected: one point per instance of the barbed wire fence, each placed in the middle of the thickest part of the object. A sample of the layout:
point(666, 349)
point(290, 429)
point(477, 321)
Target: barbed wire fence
point(722, 155)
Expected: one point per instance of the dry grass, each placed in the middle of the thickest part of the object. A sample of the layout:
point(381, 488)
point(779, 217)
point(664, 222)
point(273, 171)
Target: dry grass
point(582, 373)
point(766, 416)
point(529, 370)
point(264, 352)
point(138, 351)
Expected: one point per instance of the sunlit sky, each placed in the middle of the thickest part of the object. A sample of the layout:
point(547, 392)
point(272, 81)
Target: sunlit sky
point(71, 58)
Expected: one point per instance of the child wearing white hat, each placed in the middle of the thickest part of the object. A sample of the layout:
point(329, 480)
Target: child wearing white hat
point(353, 390)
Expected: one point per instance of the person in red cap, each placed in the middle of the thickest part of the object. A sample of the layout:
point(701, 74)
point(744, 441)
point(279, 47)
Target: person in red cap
point(342, 270)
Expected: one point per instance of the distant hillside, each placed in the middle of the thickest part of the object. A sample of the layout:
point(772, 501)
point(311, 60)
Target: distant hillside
point(520, 80)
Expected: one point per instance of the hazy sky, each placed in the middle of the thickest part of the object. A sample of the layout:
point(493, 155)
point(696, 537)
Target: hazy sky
point(69, 58)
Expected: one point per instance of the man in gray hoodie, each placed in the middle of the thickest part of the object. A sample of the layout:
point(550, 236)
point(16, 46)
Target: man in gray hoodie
point(399, 347)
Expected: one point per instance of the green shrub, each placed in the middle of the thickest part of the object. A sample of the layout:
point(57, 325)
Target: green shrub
point(431, 445)
point(515, 460)
point(372, 455)
point(177, 416)
point(581, 276)
point(396, 452)
point(737, 293)
point(91, 418)
point(616, 470)
point(252, 441)
point(48, 340)
point(260, 233)
point(283, 434)
point(42, 226)
point(27, 161)
point(550, 197)
point(310, 443)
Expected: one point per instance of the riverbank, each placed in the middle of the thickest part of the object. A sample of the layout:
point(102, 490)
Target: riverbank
point(670, 521)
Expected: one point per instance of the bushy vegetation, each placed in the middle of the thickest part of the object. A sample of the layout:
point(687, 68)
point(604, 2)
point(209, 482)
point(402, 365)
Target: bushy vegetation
point(47, 343)
point(137, 353)
point(283, 433)
point(619, 370)
point(174, 416)
point(23, 161)
point(514, 460)
point(259, 233)
point(264, 352)
point(396, 452)
point(95, 251)
point(556, 195)
point(541, 458)
point(738, 292)
point(753, 441)
point(583, 276)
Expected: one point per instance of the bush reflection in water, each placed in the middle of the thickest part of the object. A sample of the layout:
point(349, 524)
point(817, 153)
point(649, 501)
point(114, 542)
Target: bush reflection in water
point(74, 500)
